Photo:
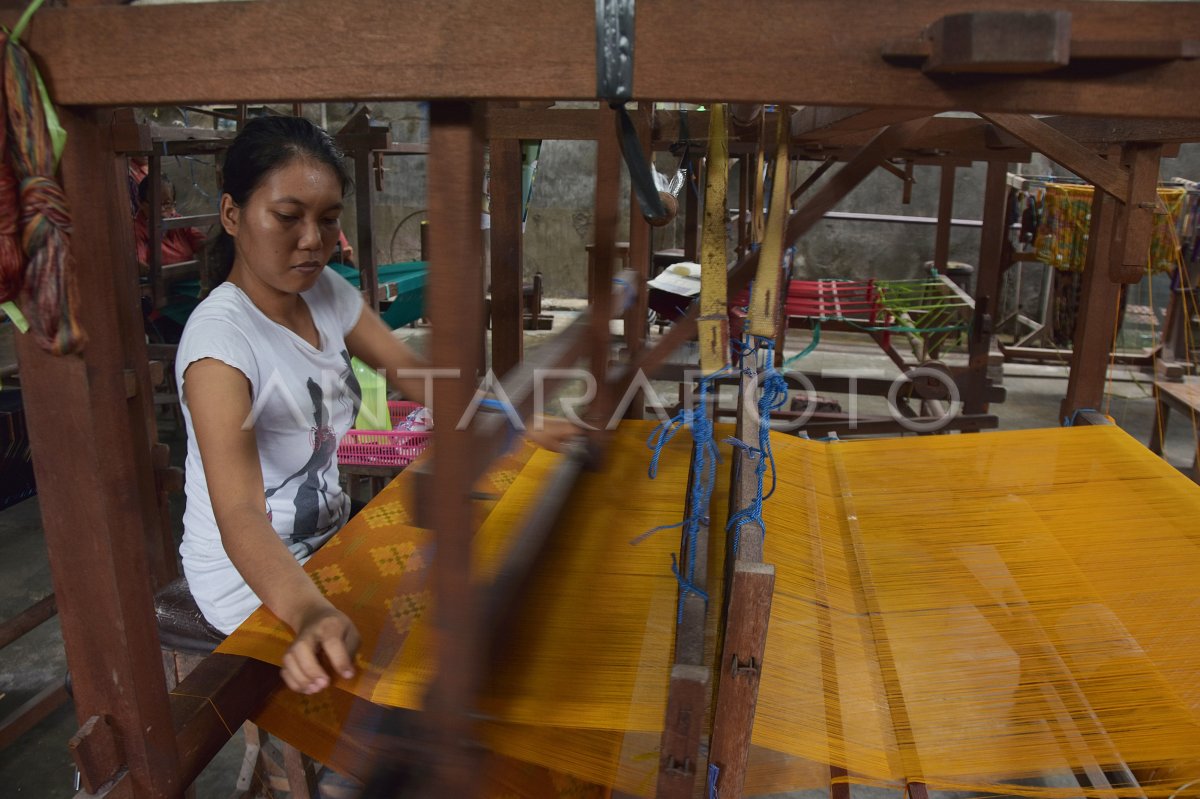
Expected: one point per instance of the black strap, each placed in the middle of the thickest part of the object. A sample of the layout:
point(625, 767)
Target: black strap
point(640, 175)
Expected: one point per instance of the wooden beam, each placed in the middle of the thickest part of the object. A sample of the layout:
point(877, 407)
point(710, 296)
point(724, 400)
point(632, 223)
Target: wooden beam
point(941, 245)
point(505, 122)
point(1095, 323)
point(1062, 149)
point(456, 276)
point(504, 185)
point(1134, 230)
point(741, 665)
point(819, 122)
point(600, 279)
point(640, 237)
point(16, 626)
point(95, 473)
point(992, 240)
point(1095, 130)
point(543, 49)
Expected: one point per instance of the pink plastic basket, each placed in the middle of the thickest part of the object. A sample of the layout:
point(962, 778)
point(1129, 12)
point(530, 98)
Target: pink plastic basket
point(384, 447)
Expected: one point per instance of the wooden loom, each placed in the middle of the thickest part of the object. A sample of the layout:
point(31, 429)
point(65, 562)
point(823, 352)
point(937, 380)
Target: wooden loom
point(94, 465)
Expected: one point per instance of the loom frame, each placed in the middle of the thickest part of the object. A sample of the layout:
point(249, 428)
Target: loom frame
point(95, 466)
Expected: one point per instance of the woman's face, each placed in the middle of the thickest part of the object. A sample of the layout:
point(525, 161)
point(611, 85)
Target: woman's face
point(287, 229)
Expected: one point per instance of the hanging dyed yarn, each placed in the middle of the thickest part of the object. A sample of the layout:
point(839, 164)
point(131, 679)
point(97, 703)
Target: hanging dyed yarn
point(48, 291)
point(12, 260)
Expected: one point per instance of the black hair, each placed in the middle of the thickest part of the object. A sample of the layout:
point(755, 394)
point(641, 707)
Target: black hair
point(144, 187)
point(264, 145)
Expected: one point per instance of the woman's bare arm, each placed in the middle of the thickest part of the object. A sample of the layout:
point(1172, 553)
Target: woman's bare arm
point(219, 400)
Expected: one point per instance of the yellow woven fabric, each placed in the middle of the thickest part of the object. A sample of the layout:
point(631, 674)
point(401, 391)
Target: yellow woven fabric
point(1062, 237)
point(975, 612)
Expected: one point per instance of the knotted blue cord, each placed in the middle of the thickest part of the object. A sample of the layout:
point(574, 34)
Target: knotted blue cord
point(705, 456)
point(774, 395)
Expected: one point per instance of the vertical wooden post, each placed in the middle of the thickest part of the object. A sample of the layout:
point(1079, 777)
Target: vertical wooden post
point(604, 235)
point(692, 189)
point(367, 268)
point(987, 285)
point(456, 273)
point(95, 479)
point(1098, 302)
point(941, 246)
point(505, 187)
point(640, 236)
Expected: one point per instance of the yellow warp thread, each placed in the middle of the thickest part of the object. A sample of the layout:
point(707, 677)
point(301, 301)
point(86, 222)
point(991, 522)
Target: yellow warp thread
point(713, 323)
point(765, 300)
point(977, 612)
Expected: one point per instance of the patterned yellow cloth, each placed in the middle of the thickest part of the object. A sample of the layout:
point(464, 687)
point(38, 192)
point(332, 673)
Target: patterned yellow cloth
point(977, 612)
point(1062, 237)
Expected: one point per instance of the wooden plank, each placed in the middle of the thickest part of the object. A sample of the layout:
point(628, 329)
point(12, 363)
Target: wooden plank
point(456, 273)
point(95, 474)
point(636, 317)
point(1134, 225)
point(999, 42)
point(510, 122)
point(504, 185)
point(33, 710)
point(1096, 324)
point(94, 748)
point(941, 243)
point(604, 237)
point(1064, 150)
point(992, 240)
point(209, 705)
point(16, 626)
point(546, 50)
point(680, 760)
point(1119, 131)
point(819, 122)
point(740, 671)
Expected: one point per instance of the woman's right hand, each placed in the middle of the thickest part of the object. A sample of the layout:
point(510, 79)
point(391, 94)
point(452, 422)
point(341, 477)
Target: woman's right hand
point(325, 638)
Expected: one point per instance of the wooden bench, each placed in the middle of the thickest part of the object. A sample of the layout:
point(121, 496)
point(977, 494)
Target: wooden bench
point(1185, 398)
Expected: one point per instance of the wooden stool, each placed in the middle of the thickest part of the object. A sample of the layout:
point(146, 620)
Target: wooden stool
point(270, 770)
point(1185, 398)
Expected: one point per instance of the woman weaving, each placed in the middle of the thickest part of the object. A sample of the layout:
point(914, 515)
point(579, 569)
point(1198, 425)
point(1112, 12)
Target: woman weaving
point(268, 391)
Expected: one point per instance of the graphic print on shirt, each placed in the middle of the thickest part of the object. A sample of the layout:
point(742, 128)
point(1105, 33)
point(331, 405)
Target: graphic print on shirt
point(316, 517)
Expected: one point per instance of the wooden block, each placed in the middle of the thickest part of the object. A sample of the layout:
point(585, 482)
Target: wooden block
point(97, 753)
point(687, 703)
point(1135, 220)
point(737, 694)
point(1000, 41)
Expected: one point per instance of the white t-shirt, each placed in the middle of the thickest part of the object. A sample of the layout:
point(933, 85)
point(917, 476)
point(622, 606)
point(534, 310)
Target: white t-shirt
point(304, 399)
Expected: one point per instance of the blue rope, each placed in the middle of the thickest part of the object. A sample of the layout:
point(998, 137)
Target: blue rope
point(774, 395)
point(706, 456)
point(714, 773)
point(1070, 420)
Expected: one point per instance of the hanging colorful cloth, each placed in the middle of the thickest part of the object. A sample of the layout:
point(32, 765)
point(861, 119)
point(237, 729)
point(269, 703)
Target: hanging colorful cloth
point(48, 292)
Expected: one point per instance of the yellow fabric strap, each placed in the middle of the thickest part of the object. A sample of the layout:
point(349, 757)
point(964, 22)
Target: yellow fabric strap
point(765, 301)
point(714, 320)
point(756, 197)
